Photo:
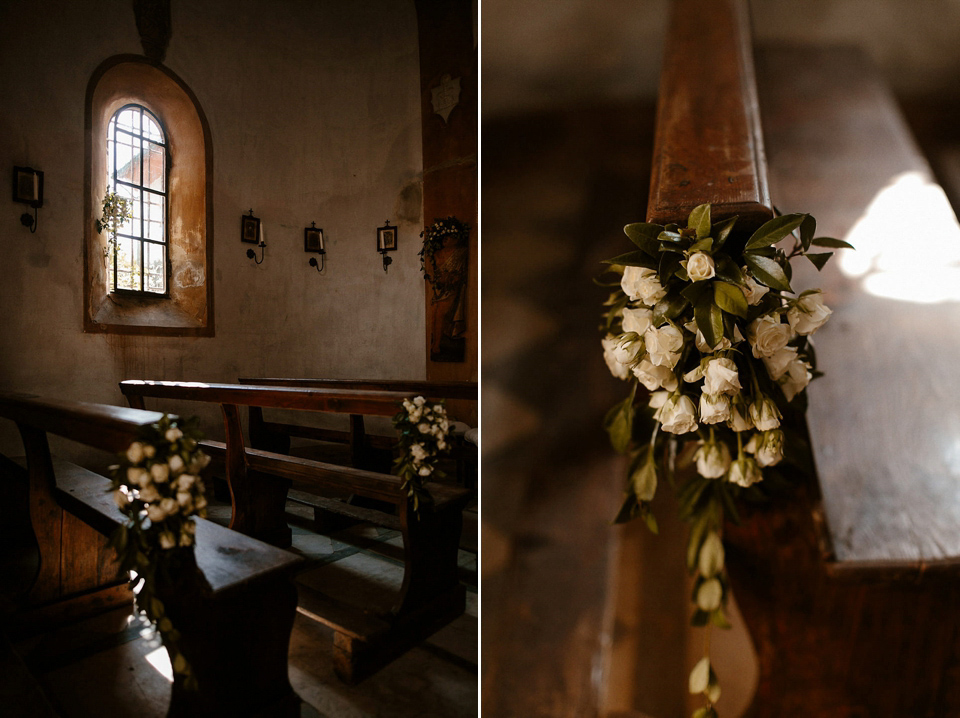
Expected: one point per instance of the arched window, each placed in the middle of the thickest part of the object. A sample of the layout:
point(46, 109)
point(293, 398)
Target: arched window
point(137, 161)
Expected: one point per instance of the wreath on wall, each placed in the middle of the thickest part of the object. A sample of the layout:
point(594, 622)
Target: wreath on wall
point(434, 238)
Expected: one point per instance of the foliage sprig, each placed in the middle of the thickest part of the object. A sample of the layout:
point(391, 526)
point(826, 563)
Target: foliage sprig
point(706, 320)
point(116, 211)
point(158, 487)
point(423, 436)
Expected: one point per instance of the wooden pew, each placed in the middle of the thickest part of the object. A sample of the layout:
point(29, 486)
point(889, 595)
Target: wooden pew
point(850, 585)
point(276, 436)
point(235, 610)
point(431, 594)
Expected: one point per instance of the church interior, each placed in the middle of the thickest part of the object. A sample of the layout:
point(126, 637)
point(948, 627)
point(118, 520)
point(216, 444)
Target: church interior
point(263, 214)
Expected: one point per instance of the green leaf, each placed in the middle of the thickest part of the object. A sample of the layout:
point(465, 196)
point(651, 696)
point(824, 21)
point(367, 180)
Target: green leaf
point(669, 264)
point(773, 231)
point(699, 220)
point(831, 242)
point(619, 422)
point(730, 298)
point(818, 260)
point(628, 510)
point(644, 479)
point(669, 307)
point(651, 522)
point(722, 231)
point(727, 269)
point(709, 320)
point(668, 236)
point(632, 259)
point(718, 619)
point(699, 618)
point(701, 245)
point(807, 229)
point(697, 532)
point(767, 271)
point(694, 291)
point(644, 235)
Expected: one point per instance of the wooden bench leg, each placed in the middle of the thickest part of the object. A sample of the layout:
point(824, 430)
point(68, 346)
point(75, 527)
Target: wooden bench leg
point(431, 545)
point(237, 646)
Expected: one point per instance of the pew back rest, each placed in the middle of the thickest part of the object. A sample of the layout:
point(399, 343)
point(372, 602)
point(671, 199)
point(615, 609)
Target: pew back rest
point(466, 390)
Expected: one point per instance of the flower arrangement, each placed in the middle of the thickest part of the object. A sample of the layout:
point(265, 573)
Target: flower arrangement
point(423, 437)
point(157, 486)
point(116, 211)
point(433, 237)
point(705, 320)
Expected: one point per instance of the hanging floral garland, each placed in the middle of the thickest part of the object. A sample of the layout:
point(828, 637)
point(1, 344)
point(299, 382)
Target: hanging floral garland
point(704, 319)
point(157, 486)
point(423, 431)
point(433, 241)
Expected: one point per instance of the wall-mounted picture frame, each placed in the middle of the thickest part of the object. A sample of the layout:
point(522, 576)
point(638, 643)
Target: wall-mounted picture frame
point(386, 238)
point(28, 186)
point(249, 229)
point(313, 240)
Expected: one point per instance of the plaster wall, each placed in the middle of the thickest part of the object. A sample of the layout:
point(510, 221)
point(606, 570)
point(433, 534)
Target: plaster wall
point(314, 113)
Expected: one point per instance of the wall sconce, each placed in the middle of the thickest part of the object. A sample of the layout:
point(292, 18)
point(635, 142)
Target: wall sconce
point(251, 233)
point(28, 188)
point(386, 242)
point(313, 242)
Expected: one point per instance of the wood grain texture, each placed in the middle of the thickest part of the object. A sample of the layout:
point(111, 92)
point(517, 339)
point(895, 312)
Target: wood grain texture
point(708, 144)
point(428, 389)
point(884, 420)
point(342, 401)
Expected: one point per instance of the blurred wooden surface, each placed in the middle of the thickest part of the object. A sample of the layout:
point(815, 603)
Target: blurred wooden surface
point(557, 189)
point(709, 145)
point(861, 617)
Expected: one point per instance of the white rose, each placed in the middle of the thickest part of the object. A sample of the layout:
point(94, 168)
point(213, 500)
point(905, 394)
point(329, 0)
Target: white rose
point(765, 414)
point(753, 290)
point(709, 595)
point(419, 401)
point(713, 459)
point(185, 499)
point(156, 513)
point(418, 452)
point(778, 362)
point(423, 428)
point(188, 527)
point(700, 266)
point(442, 445)
point(200, 502)
point(808, 313)
point(135, 453)
point(769, 448)
point(149, 493)
point(740, 417)
point(711, 558)
point(160, 472)
point(121, 499)
point(655, 377)
point(626, 351)
point(744, 472)
point(149, 450)
point(408, 405)
point(445, 425)
point(167, 540)
point(664, 345)
point(425, 471)
point(620, 371)
point(173, 434)
point(169, 505)
point(186, 539)
point(185, 481)
point(678, 415)
point(176, 464)
point(768, 335)
point(720, 377)
point(137, 476)
point(642, 283)
point(415, 416)
point(714, 408)
point(795, 379)
point(437, 408)
point(637, 320)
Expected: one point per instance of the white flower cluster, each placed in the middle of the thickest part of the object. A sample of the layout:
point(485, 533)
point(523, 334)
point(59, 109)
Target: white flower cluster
point(162, 483)
point(426, 433)
point(653, 353)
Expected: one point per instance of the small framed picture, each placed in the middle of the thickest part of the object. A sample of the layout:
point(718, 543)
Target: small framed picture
point(386, 238)
point(28, 186)
point(313, 240)
point(249, 229)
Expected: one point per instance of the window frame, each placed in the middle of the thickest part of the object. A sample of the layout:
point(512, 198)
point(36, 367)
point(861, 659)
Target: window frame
point(112, 129)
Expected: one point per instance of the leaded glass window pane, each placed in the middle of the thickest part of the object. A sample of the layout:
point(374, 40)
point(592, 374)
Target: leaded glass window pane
point(137, 170)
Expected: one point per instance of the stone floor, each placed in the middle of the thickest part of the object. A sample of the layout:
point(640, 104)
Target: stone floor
point(113, 666)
